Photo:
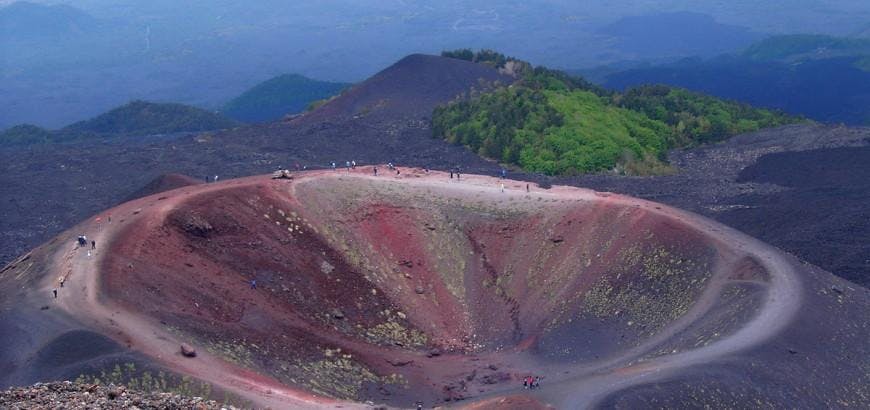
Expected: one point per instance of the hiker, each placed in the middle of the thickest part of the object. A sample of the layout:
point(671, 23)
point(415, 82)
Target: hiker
point(451, 174)
point(215, 178)
point(527, 382)
point(253, 283)
point(353, 164)
point(376, 171)
point(93, 244)
point(503, 173)
point(398, 172)
point(55, 292)
point(81, 241)
point(502, 187)
point(537, 382)
point(61, 280)
point(419, 405)
point(527, 187)
point(347, 164)
point(333, 165)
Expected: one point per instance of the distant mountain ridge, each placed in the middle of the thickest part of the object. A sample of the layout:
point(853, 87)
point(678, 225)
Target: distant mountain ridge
point(798, 47)
point(677, 34)
point(821, 77)
point(278, 96)
point(21, 21)
point(144, 118)
point(137, 118)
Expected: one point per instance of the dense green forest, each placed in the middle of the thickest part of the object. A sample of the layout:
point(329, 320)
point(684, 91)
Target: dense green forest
point(553, 123)
point(279, 96)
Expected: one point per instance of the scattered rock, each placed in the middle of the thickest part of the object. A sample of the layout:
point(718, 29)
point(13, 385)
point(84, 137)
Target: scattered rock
point(326, 267)
point(495, 378)
point(792, 351)
point(471, 375)
point(69, 395)
point(187, 350)
point(433, 353)
point(492, 367)
point(399, 362)
point(837, 289)
point(337, 314)
point(557, 239)
point(420, 290)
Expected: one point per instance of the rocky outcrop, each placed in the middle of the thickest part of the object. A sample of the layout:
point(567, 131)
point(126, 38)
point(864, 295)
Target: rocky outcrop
point(69, 395)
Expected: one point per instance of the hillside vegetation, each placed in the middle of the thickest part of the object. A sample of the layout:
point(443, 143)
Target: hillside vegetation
point(147, 118)
point(561, 125)
point(279, 96)
point(25, 134)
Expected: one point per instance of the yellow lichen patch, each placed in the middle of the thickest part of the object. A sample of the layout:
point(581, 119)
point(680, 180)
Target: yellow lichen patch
point(237, 351)
point(678, 280)
point(339, 375)
point(392, 332)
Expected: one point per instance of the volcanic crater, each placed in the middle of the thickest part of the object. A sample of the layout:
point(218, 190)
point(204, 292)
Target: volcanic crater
point(419, 287)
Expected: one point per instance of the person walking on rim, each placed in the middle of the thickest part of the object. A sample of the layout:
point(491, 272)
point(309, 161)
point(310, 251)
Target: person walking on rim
point(253, 283)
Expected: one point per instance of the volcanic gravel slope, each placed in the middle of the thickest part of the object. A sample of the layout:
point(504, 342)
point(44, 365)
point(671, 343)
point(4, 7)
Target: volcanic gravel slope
point(418, 287)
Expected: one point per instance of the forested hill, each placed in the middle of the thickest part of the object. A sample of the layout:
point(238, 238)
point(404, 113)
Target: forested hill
point(557, 124)
point(137, 118)
point(279, 96)
point(147, 118)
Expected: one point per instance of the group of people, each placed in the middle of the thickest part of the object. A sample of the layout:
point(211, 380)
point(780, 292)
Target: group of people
point(82, 242)
point(348, 165)
point(530, 382)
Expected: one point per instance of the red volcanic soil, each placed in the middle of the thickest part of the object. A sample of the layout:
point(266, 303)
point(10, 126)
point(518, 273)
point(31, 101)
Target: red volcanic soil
point(336, 288)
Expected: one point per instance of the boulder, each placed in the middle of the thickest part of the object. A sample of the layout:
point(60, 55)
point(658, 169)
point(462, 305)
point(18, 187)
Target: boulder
point(188, 350)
